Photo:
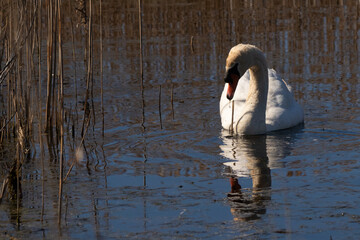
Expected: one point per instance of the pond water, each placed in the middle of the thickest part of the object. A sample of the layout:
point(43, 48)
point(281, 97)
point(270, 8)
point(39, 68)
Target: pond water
point(163, 168)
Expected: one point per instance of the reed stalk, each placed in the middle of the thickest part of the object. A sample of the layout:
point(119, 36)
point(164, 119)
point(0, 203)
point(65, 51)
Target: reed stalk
point(3, 188)
point(142, 88)
point(18, 166)
point(40, 127)
point(172, 101)
point(61, 117)
point(161, 127)
point(101, 74)
point(89, 71)
point(75, 71)
point(192, 44)
point(20, 61)
point(140, 45)
point(49, 41)
point(141, 67)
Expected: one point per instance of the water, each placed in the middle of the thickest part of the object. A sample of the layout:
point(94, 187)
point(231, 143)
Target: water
point(170, 179)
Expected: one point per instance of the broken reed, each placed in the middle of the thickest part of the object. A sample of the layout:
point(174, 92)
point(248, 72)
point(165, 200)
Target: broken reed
point(27, 25)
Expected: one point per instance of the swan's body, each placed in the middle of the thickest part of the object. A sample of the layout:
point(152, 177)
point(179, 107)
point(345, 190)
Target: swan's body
point(263, 102)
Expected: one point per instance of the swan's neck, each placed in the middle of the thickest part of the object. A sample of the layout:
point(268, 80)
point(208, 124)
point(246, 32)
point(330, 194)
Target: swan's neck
point(253, 118)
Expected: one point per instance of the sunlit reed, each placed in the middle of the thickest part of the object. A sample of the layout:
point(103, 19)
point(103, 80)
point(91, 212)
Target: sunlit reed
point(27, 68)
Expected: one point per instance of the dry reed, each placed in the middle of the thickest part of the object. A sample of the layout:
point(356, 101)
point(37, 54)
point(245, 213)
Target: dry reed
point(172, 101)
point(141, 67)
point(161, 127)
point(101, 73)
point(22, 79)
point(61, 112)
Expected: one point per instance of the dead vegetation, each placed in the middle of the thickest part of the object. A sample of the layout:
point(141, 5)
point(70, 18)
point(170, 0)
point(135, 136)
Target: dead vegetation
point(36, 119)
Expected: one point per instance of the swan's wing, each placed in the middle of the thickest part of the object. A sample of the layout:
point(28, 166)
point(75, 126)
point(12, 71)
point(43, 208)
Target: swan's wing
point(282, 111)
point(273, 75)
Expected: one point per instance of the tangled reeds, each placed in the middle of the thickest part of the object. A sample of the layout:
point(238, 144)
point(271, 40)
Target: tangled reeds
point(33, 106)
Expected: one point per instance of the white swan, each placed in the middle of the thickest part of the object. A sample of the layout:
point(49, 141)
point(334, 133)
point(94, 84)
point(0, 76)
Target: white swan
point(263, 102)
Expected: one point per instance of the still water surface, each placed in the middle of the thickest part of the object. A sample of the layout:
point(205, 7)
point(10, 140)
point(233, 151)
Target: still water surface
point(165, 177)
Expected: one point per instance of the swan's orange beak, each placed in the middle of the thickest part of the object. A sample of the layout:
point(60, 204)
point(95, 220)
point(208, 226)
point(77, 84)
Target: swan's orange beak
point(232, 85)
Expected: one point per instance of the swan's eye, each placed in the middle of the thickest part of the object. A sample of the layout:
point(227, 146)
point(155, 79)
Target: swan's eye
point(232, 70)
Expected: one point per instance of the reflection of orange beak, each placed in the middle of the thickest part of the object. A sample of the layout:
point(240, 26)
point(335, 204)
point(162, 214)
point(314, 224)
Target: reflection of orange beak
point(235, 186)
point(232, 86)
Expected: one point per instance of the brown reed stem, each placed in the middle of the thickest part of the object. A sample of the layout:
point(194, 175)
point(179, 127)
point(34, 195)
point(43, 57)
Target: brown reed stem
point(172, 101)
point(192, 44)
point(49, 63)
point(17, 101)
point(140, 43)
point(3, 188)
point(40, 114)
point(88, 79)
point(61, 117)
point(9, 64)
point(101, 74)
point(7, 122)
point(141, 67)
point(75, 72)
point(142, 89)
point(161, 127)
point(18, 166)
point(8, 54)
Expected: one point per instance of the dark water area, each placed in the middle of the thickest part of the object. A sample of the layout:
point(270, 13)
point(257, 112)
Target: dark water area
point(163, 168)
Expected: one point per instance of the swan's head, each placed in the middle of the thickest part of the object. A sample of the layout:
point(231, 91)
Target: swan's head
point(240, 59)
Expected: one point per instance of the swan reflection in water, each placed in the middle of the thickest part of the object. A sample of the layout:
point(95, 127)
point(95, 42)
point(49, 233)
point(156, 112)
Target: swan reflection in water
point(253, 156)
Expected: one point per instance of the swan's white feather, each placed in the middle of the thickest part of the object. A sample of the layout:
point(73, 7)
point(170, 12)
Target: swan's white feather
point(282, 111)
